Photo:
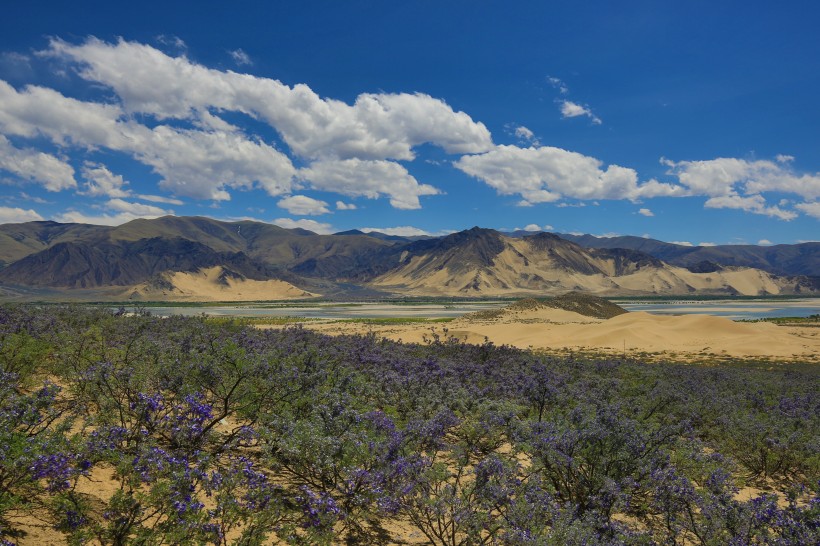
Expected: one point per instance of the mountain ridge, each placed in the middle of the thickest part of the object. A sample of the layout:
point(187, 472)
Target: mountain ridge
point(473, 262)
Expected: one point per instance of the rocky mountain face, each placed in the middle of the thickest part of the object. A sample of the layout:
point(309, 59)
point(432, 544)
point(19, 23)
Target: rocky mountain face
point(474, 262)
point(484, 262)
point(798, 259)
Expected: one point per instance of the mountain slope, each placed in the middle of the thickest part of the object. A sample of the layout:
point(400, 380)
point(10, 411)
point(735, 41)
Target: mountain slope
point(85, 265)
point(798, 259)
point(474, 262)
point(485, 263)
point(20, 240)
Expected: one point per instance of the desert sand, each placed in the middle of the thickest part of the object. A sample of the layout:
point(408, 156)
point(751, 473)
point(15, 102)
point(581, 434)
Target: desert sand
point(687, 336)
point(212, 284)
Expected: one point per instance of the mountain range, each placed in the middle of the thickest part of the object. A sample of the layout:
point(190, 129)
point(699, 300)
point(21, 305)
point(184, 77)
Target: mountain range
point(200, 258)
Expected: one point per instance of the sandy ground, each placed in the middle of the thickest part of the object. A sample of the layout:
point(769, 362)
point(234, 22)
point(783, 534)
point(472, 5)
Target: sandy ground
point(206, 285)
point(687, 336)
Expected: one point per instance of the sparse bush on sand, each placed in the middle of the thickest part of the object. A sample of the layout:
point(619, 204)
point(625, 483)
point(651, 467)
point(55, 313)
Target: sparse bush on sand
point(142, 430)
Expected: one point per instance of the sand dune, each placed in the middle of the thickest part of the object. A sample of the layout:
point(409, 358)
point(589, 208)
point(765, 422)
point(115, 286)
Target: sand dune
point(687, 335)
point(213, 284)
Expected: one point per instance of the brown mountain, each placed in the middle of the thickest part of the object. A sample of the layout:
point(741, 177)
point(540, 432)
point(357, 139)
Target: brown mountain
point(475, 262)
point(797, 259)
point(484, 262)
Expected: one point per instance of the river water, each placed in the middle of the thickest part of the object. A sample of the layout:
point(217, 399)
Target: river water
point(733, 309)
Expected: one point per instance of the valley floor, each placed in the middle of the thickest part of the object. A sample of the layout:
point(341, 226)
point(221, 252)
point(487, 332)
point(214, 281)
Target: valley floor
point(687, 337)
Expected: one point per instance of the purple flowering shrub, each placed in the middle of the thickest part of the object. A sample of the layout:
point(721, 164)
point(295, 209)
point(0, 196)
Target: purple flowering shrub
point(215, 433)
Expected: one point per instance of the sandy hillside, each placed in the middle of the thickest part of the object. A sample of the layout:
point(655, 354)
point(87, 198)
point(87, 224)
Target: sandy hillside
point(522, 269)
point(686, 335)
point(215, 284)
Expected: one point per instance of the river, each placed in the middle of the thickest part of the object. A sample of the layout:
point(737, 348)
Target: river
point(734, 309)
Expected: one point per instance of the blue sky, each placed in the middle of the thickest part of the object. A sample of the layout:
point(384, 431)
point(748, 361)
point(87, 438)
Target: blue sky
point(684, 121)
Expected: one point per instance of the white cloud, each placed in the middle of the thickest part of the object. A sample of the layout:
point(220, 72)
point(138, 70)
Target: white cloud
point(240, 57)
point(38, 111)
point(303, 223)
point(341, 205)
point(739, 183)
point(706, 244)
point(811, 209)
point(546, 174)
point(51, 172)
point(35, 199)
point(140, 210)
point(525, 135)
point(558, 84)
point(376, 126)
point(203, 164)
point(401, 231)
point(646, 212)
point(523, 132)
point(302, 205)
point(682, 243)
point(11, 215)
point(753, 203)
point(192, 163)
point(728, 176)
point(117, 212)
point(160, 199)
point(765, 242)
point(371, 179)
point(570, 109)
point(102, 182)
point(531, 227)
point(214, 157)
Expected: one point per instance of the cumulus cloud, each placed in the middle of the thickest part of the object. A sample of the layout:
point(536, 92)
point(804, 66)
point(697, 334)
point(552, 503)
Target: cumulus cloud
point(739, 183)
point(52, 173)
point(570, 109)
point(212, 157)
point(376, 126)
point(765, 242)
point(192, 163)
point(102, 182)
point(167, 112)
point(752, 203)
point(682, 243)
point(645, 212)
point(12, 215)
point(546, 174)
point(702, 243)
point(401, 231)
point(371, 179)
point(303, 223)
point(341, 205)
point(302, 205)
